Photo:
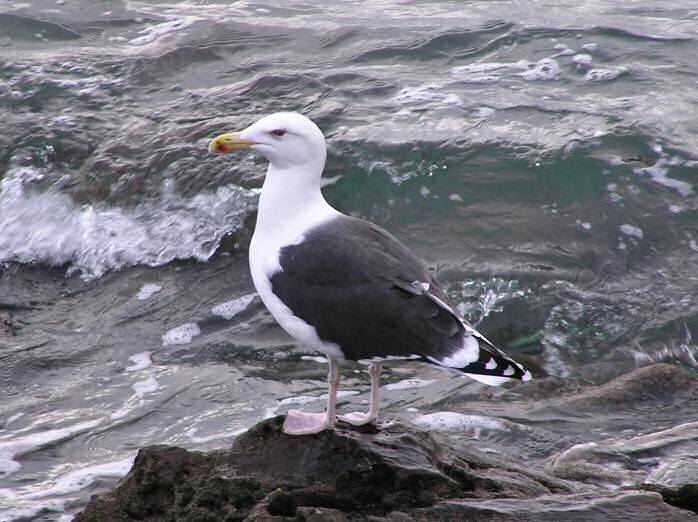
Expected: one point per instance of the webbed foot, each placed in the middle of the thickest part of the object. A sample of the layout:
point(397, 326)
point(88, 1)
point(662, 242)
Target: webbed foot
point(358, 418)
point(303, 423)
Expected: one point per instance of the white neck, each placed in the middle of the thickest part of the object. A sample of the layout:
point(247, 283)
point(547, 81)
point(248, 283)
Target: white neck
point(291, 200)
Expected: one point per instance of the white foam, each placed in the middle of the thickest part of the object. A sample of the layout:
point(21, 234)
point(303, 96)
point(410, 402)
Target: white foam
point(124, 410)
point(329, 181)
point(659, 174)
point(80, 478)
point(449, 421)
point(563, 49)
point(456, 198)
point(24, 503)
point(632, 231)
point(11, 448)
point(182, 334)
point(603, 75)
point(223, 435)
point(489, 295)
point(230, 309)
point(49, 227)
point(148, 385)
point(684, 351)
point(484, 112)
point(152, 33)
point(483, 80)
point(409, 384)
point(82, 85)
point(147, 290)
point(305, 399)
point(300, 399)
point(582, 59)
point(427, 93)
point(478, 68)
point(314, 358)
point(140, 361)
point(613, 195)
point(591, 47)
point(543, 70)
point(28, 512)
point(13, 418)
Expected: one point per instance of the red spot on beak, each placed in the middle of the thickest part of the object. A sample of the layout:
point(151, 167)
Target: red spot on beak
point(221, 147)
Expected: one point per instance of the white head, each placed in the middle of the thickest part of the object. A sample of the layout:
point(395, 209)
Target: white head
point(287, 139)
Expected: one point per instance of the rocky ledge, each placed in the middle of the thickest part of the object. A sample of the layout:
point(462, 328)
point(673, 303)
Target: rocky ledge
point(402, 473)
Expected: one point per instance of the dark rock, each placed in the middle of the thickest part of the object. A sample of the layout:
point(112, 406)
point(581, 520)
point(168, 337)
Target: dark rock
point(332, 476)
point(8, 328)
point(312, 514)
point(401, 473)
point(684, 496)
point(282, 503)
point(676, 478)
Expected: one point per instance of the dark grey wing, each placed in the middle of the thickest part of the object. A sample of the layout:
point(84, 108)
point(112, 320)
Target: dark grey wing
point(365, 291)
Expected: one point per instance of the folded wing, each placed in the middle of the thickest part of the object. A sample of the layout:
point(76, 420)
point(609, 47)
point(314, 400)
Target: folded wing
point(360, 288)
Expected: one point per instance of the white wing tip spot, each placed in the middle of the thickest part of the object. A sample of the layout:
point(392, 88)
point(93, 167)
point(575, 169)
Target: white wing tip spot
point(421, 285)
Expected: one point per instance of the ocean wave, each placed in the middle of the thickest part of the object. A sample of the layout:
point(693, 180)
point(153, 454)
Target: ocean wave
point(49, 227)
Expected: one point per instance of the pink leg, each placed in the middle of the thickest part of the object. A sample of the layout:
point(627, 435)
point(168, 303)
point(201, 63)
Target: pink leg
point(303, 423)
point(358, 418)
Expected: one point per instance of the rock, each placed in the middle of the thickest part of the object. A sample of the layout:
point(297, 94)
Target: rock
point(404, 473)
point(620, 506)
point(665, 459)
point(684, 497)
point(333, 476)
point(8, 328)
point(651, 383)
point(167, 481)
point(656, 383)
point(676, 479)
point(659, 460)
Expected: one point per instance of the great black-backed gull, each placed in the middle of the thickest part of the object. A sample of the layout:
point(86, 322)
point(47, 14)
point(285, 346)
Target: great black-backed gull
point(342, 285)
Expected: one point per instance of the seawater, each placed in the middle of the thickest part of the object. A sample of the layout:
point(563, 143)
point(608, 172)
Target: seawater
point(540, 157)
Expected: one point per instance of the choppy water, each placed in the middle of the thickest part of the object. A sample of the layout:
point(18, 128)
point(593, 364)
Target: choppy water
point(541, 155)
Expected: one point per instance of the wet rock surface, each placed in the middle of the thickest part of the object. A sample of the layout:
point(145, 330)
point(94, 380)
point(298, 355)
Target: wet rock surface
point(402, 472)
point(342, 475)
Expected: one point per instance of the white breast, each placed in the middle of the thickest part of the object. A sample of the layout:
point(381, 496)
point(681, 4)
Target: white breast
point(264, 263)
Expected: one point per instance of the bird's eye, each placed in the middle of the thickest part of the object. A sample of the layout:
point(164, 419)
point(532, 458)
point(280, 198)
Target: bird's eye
point(278, 132)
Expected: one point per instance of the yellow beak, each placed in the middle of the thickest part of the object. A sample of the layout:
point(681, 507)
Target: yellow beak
point(228, 142)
